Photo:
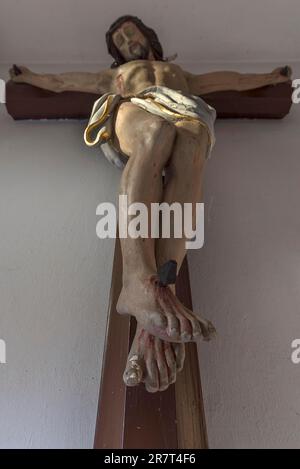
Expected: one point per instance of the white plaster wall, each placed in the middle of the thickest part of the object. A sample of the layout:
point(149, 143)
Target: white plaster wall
point(246, 280)
point(54, 283)
point(71, 31)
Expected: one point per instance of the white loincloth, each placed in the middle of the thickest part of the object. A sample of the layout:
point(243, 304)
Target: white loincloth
point(160, 100)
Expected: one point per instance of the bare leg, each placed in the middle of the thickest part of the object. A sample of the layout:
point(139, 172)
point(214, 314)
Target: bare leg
point(185, 180)
point(152, 360)
point(185, 174)
point(148, 140)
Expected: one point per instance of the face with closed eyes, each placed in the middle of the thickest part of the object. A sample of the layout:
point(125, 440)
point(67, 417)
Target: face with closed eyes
point(131, 42)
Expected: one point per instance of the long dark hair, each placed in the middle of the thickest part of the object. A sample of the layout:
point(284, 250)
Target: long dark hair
point(149, 33)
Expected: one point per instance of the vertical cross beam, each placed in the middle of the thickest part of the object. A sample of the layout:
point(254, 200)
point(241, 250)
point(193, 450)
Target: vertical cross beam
point(132, 418)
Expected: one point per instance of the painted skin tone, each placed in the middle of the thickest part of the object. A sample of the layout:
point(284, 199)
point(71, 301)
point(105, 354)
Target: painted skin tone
point(153, 361)
point(132, 44)
point(164, 323)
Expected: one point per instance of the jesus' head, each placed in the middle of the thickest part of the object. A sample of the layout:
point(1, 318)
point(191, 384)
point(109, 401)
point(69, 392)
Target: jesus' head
point(129, 38)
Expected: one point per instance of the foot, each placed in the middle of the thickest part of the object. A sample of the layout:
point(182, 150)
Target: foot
point(153, 362)
point(158, 310)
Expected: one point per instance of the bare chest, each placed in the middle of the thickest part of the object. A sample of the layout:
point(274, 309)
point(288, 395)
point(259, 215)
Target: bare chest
point(137, 75)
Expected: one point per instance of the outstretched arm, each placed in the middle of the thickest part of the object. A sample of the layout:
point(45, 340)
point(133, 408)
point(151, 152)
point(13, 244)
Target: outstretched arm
point(227, 80)
point(98, 83)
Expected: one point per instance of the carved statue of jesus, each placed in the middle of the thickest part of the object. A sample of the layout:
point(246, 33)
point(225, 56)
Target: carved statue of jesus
point(150, 120)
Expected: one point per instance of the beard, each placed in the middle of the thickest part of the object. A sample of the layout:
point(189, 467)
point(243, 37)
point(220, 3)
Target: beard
point(139, 51)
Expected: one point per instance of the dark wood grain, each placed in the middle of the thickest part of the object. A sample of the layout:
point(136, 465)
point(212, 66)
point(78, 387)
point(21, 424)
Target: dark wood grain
point(131, 417)
point(191, 431)
point(29, 102)
point(110, 419)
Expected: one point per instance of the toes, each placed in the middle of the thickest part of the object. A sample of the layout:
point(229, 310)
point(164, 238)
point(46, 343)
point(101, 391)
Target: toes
point(208, 329)
point(201, 327)
point(211, 330)
point(171, 361)
point(171, 306)
point(195, 324)
point(135, 366)
point(179, 350)
point(151, 380)
point(173, 327)
point(186, 330)
point(133, 373)
point(161, 365)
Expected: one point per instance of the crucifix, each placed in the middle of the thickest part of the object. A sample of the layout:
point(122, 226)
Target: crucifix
point(151, 122)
